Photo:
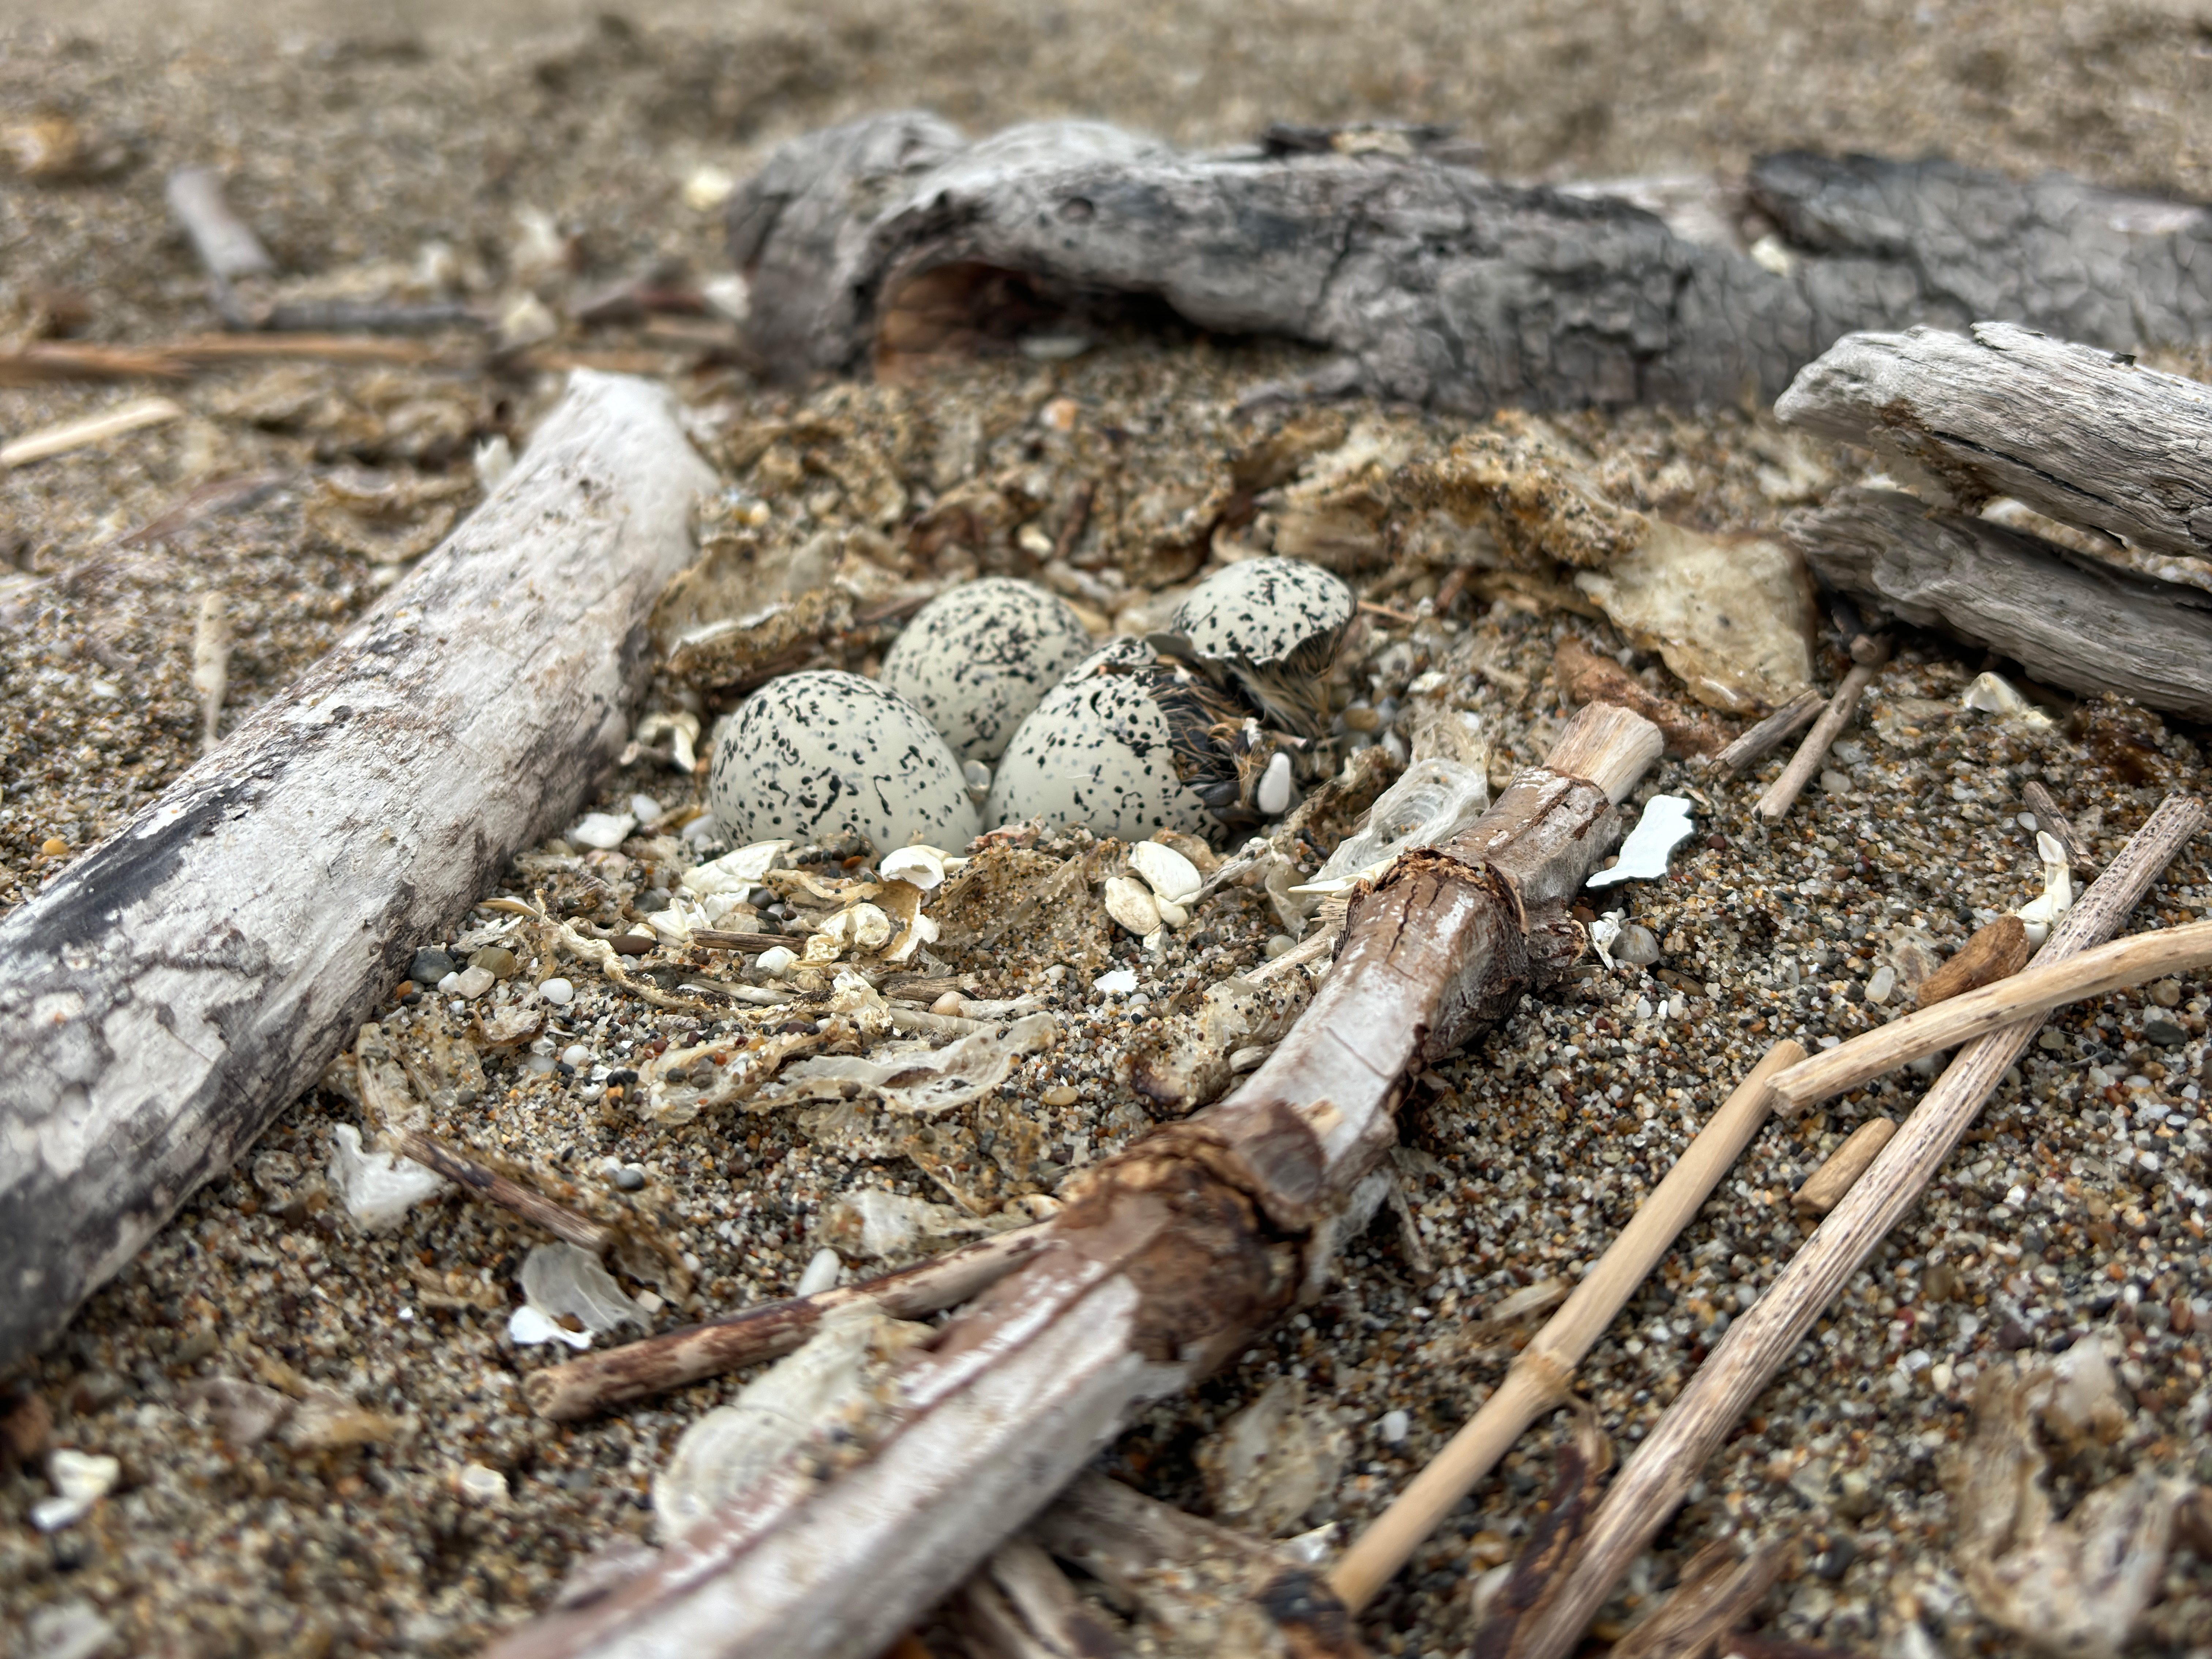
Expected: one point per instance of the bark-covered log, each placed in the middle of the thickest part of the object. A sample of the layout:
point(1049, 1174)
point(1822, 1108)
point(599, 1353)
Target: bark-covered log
point(894, 237)
point(184, 981)
point(2070, 620)
point(1166, 1263)
point(2077, 433)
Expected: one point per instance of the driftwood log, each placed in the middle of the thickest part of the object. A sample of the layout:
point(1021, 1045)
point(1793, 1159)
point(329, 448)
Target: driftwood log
point(1166, 1263)
point(2079, 433)
point(894, 239)
point(184, 981)
point(2070, 620)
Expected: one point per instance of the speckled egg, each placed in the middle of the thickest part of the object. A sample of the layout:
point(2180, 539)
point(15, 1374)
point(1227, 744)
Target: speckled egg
point(1101, 750)
point(818, 755)
point(1274, 624)
point(978, 659)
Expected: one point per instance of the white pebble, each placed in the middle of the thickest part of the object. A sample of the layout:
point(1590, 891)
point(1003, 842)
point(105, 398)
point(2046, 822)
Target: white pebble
point(1882, 984)
point(821, 1274)
point(477, 1484)
point(1273, 797)
point(604, 830)
point(777, 961)
point(1173, 878)
point(1396, 1426)
point(576, 1055)
point(447, 984)
point(646, 809)
point(1118, 983)
point(558, 991)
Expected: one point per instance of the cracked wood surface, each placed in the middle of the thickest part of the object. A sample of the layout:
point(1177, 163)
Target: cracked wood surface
point(2078, 433)
point(894, 239)
point(1167, 1261)
point(2070, 620)
point(181, 984)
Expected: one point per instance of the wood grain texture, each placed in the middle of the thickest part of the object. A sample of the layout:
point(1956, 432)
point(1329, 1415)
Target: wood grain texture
point(2079, 433)
point(2069, 620)
point(895, 239)
point(183, 982)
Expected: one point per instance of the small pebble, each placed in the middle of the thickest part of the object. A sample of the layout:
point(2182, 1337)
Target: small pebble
point(1396, 1426)
point(603, 830)
point(1637, 946)
point(1881, 984)
point(1834, 782)
point(473, 983)
point(1278, 945)
point(777, 961)
point(558, 991)
point(950, 1003)
point(496, 960)
point(646, 809)
point(430, 967)
point(2164, 1031)
point(630, 1177)
point(576, 1054)
point(631, 945)
point(54, 847)
point(1122, 981)
point(821, 1274)
point(1061, 1094)
point(449, 984)
point(2166, 993)
point(1938, 1284)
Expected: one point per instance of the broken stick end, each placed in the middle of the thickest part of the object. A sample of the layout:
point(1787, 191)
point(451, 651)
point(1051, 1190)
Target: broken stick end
point(1608, 745)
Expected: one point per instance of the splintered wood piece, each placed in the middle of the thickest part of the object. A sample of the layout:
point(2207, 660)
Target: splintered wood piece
point(2081, 435)
point(472, 1176)
point(2053, 822)
point(1841, 1170)
point(1997, 952)
point(181, 984)
point(1783, 793)
point(2073, 621)
point(1770, 733)
point(1586, 676)
point(1758, 1344)
point(1169, 1259)
point(613, 1377)
point(1538, 1380)
point(1973, 1014)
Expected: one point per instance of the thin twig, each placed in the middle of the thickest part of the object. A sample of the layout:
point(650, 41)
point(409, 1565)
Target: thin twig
point(2052, 821)
point(598, 1381)
point(1785, 790)
point(93, 429)
point(716, 940)
point(1755, 744)
point(463, 1170)
point(1539, 1377)
point(1756, 1345)
point(1972, 1014)
point(1839, 1172)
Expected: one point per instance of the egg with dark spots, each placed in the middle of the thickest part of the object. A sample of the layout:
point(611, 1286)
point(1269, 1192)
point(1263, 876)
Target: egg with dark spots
point(1272, 627)
point(1128, 746)
point(978, 658)
point(813, 756)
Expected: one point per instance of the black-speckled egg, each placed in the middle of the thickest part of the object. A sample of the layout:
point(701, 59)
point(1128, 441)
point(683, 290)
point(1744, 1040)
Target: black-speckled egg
point(979, 658)
point(817, 754)
point(1272, 625)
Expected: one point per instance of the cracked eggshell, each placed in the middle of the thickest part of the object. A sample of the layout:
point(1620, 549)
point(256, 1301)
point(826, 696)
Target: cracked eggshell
point(979, 658)
point(1098, 751)
point(1266, 610)
point(814, 755)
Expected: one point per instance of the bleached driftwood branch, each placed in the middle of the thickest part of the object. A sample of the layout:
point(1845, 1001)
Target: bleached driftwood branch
point(1165, 1263)
point(2072, 621)
point(184, 981)
point(894, 239)
point(2076, 432)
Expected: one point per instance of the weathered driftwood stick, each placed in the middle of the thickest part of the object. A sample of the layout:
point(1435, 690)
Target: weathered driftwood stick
point(1824, 1187)
point(1770, 733)
point(2051, 820)
point(474, 1178)
point(895, 242)
point(1166, 1263)
point(93, 429)
point(184, 981)
point(1539, 1378)
point(1972, 1014)
point(1782, 794)
point(599, 1382)
point(2076, 432)
point(1655, 1480)
point(2073, 621)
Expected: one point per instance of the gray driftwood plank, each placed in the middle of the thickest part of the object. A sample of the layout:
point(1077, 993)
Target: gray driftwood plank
point(2079, 434)
point(892, 237)
point(2072, 621)
point(184, 981)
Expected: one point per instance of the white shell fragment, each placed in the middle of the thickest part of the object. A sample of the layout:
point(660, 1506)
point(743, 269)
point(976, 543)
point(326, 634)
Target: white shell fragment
point(922, 1083)
point(977, 658)
point(377, 1188)
point(735, 873)
point(1119, 983)
point(80, 1480)
point(1132, 906)
point(1664, 826)
point(1274, 796)
point(1097, 751)
point(821, 1274)
point(1431, 801)
point(918, 866)
point(526, 1327)
point(1993, 694)
point(824, 754)
point(603, 830)
point(1170, 875)
point(562, 1278)
point(2057, 897)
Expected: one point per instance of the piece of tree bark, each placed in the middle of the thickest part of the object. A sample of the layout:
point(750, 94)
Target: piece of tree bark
point(2069, 620)
point(893, 240)
point(2077, 433)
point(1167, 1261)
point(181, 983)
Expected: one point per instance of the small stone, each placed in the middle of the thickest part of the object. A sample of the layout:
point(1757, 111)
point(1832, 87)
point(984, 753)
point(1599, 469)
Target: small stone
point(1882, 984)
point(430, 966)
point(1940, 1283)
point(481, 1485)
point(630, 1177)
point(1280, 945)
point(1834, 782)
point(576, 1055)
point(1396, 1425)
point(2166, 993)
point(646, 809)
point(54, 847)
point(1171, 877)
point(2183, 1316)
point(558, 991)
point(822, 1274)
point(603, 830)
point(632, 944)
point(1131, 905)
point(777, 961)
point(473, 983)
point(1061, 1094)
point(1637, 946)
point(496, 960)
point(2164, 1031)
point(1119, 983)
point(951, 1003)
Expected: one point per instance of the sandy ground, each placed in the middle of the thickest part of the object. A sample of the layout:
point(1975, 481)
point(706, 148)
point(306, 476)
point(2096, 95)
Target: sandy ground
point(376, 147)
